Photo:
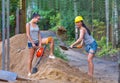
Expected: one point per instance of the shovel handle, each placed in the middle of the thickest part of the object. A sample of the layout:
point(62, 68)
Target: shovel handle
point(79, 46)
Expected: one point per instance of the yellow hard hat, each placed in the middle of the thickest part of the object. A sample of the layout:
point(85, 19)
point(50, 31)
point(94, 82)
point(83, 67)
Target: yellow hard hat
point(78, 19)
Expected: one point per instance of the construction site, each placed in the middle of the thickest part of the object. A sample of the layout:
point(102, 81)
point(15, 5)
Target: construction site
point(70, 65)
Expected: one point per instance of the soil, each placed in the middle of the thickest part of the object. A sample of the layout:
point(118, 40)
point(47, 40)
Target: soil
point(49, 71)
point(58, 71)
point(105, 71)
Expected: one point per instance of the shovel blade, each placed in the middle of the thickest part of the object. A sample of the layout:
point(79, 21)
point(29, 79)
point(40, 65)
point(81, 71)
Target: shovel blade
point(34, 70)
point(7, 76)
point(63, 47)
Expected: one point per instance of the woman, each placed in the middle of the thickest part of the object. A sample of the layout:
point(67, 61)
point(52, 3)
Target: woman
point(90, 43)
point(35, 40)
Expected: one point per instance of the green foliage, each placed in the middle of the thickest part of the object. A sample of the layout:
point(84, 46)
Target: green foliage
point(98, 23)
point(103, 48)
point(103, 51)
point(56, 13)
point(12, 25)
point(68, 23)
point(70, 41)
point(12, 20)
point(55, 22)
point(99, 29)
point(102, 42)
point(13, 6)
point(48, 18)
point(59, 54)
point(107, 51)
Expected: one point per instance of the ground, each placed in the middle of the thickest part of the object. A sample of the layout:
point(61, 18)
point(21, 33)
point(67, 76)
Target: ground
point(105, 71)
point(58, 71)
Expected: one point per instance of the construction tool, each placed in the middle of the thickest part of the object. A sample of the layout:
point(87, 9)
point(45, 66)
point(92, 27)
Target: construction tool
point(34, 70)
point(66, 47)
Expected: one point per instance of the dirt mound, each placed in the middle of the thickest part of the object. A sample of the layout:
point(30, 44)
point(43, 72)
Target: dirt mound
point(60, 70)
point(18, 54)
point(48, 69)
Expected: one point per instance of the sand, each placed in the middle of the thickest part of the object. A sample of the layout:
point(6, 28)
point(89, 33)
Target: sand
point(54, 71)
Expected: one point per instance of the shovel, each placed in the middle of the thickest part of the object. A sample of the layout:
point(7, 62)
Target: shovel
point(7, 76)
point(34, 70)
point(66, 48)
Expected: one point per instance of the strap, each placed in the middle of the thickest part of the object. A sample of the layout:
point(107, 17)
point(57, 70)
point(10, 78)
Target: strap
point(29, 24)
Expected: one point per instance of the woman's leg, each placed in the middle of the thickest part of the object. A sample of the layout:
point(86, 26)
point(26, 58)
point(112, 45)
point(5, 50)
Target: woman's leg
point(31, 51)
point(51, 42)
point(51, 46)
point(90, 64)
point(91, 53)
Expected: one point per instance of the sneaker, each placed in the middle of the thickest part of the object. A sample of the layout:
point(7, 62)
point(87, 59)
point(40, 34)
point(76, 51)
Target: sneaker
point(29, 74)
point(52, 56)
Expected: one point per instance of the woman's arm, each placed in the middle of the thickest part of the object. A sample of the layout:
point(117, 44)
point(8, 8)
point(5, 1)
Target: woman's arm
point(81, 43)
point(80, 39)
point(28, 33)
point(40, 39)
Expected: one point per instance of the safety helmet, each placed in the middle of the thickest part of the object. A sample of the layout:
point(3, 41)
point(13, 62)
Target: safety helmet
point(39, 52)
point(78, 19)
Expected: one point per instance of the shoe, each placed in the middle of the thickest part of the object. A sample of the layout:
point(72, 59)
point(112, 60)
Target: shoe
point(29, 74)
point(52, 56)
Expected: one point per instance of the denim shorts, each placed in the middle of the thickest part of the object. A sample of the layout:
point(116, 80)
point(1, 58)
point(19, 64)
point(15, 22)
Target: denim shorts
point(30, 44)
point(91, 47)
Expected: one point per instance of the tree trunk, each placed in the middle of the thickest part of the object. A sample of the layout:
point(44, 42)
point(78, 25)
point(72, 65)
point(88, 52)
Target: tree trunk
point(3, 35)
point(75, 14)
point(115, 23)
point(17, 21)
point(92, 14)
point(22, 16)
point(8, 35)
point(107, 21)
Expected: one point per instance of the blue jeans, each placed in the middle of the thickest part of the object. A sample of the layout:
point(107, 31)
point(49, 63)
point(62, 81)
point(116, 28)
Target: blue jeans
point(30, 44)
point(91, 47)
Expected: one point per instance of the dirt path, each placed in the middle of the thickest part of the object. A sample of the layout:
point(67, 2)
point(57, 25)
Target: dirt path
point(105, 71)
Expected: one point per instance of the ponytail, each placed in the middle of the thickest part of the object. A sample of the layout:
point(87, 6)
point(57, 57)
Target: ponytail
point(86, 28)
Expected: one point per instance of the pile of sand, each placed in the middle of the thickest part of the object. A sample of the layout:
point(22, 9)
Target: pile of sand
point(18, 54)
point(60, 70)
point(48, 69)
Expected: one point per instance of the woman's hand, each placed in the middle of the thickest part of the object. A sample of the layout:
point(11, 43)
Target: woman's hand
point(71, 46)
point(40, 45)
point(79, 46)
point(34, 46)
